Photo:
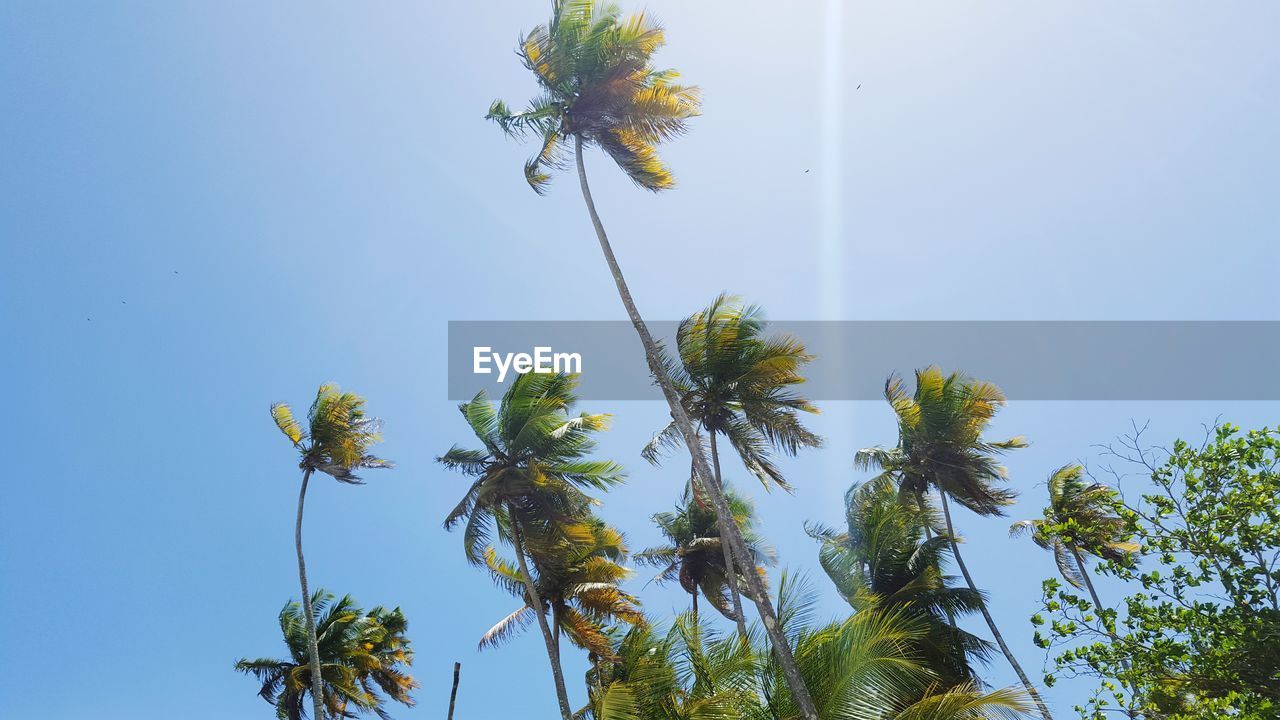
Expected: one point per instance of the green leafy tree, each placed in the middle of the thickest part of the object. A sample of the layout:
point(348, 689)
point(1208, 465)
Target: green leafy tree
point(1198, 635)
point(599, 88)
point(887, 558)
point(529, 480)
point(676, 674)
point(737, 383)
point(335, 442)
point(693, 553)
point(364, 660)
point(941, 448)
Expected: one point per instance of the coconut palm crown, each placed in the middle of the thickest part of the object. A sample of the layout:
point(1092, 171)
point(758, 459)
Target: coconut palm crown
point(364, 660)
point(738, 382)
point(534, 461)
point(693, 553)
point(1080, 518)
point(940, 444)
point(892, 557)
point(599, 87)
point(579, 580)
point(338, 435)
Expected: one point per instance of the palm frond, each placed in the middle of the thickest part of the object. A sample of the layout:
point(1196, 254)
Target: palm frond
point(507, 628)
point(282, 414)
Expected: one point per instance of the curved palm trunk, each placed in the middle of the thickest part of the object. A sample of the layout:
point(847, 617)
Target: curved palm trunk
point(553, 649)
point(729, 566)
point(768, 616)
point(991, 623)
point(1097, 605)
point(313, 643)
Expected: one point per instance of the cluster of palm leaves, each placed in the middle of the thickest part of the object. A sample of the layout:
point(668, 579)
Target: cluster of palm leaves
point(694, 552)
point(578, 580)
point(892, 557)
point(856, 668)
point(362, 657)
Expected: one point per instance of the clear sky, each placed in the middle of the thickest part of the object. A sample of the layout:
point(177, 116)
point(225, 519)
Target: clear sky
point(208, 207)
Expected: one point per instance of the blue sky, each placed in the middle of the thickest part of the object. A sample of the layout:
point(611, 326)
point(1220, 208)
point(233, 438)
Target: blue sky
point(205, 208)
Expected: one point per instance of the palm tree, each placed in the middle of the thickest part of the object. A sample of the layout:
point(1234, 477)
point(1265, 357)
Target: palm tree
point(1081, 520)
point(599, 87)
point(885, 560)
point(680, 673)
point(735, 382)
point(360, 653)
point(941, 448)
point(336, 442)
point(530, 479)
point(579, 582)
point(857, 669)
point(694, 554)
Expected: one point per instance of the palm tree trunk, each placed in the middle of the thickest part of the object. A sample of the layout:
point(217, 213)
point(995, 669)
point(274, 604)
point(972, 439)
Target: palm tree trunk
point(777, 640)
point(553, 651)
point(1097, 608)
point(695, 608)
point(986, 614)
point(729, 566)
point(956, 649)
point(313, 643)
point(453, 694)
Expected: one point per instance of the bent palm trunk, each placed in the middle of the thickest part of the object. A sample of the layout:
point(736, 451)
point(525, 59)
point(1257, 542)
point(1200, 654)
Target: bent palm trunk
point(986, 614)
point(777, 640)
point(313, 643)
point(729, 566)
point(553, 650)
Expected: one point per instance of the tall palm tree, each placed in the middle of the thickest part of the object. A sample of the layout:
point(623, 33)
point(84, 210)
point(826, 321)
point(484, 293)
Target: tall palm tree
point(734, 381)
point(693, 553)
point(360, 654)
point(1080, 520)
point(579, 581)
point(335, 442)
point(599, 87)
point(530, 479)
point(941, 448)
point(886, 559)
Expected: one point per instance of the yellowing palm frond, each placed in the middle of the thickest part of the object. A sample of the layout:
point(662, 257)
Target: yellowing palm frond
point(282, 414)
